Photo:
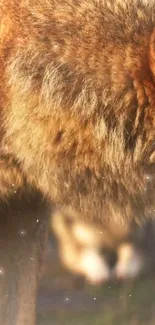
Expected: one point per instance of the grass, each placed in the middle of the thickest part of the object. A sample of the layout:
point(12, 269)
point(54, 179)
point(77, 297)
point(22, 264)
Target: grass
point(114, 304)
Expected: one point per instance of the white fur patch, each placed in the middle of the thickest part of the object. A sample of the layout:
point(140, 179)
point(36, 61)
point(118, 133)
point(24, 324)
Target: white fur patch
point(129, 263)
point(93, 266)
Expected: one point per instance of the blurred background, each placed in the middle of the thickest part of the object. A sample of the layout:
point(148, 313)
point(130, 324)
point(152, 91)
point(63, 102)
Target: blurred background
point(65, 298)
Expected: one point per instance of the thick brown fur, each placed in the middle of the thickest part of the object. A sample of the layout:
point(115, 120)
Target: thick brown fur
point(77, 105)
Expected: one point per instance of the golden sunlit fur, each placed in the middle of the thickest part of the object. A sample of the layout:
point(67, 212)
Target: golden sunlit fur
point(77, 108)
point(77, 105)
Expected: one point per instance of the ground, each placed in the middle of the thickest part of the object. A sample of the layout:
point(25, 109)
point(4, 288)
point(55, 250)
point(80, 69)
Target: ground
point(64, 300)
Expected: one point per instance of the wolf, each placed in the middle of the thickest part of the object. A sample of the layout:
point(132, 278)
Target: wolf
point(77, 117)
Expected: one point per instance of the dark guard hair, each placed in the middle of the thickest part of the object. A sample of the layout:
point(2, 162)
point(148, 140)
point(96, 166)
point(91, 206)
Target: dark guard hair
point(78, 102)
point(77, 106)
